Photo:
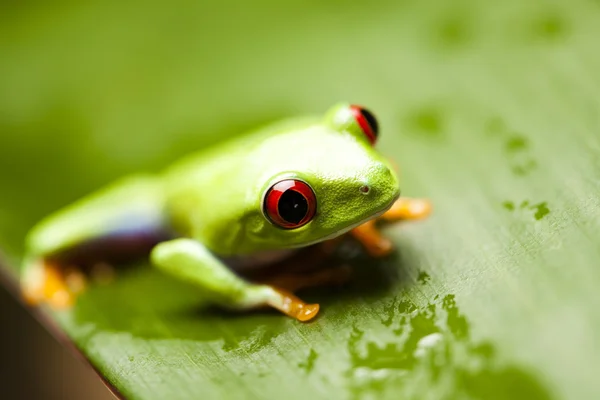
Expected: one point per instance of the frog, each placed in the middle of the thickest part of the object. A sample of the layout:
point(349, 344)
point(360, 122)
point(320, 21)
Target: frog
point(248, 202)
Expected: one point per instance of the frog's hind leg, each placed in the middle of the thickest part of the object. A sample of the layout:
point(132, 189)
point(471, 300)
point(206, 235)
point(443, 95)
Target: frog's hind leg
point(190, 261)
point(119, 224)
point(405, 208)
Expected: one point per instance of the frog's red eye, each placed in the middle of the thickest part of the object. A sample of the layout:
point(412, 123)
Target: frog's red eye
point(367, 122)
point(290, 203)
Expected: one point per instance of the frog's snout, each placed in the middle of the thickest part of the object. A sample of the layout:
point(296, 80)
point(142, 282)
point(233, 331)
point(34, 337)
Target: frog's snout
point(382, 185)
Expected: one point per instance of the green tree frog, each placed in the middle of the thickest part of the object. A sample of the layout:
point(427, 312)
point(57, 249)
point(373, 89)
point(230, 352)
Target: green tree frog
point(254, 199)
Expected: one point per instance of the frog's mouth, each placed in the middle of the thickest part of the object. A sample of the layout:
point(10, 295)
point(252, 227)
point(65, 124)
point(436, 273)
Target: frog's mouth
point(348, 228)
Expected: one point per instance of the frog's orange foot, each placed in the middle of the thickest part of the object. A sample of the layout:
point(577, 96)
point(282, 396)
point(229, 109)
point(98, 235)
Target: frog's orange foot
point(371, 239)
point(407, 208)
point(277, 290)
point(293, 307)
point(285, 284)
point(50, 284)
point(404, 208)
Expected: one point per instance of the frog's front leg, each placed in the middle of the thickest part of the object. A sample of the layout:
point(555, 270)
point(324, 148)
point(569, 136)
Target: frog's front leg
point(189, 260)
point(405, 208)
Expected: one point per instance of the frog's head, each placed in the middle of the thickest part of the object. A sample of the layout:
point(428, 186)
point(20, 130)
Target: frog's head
point(322, 179)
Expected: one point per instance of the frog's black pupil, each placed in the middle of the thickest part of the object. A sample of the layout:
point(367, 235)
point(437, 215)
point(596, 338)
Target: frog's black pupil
point(292, 206)
point(371, 120)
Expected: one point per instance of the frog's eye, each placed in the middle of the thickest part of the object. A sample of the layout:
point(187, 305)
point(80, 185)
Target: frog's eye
point(367, 122)
point(290, 203)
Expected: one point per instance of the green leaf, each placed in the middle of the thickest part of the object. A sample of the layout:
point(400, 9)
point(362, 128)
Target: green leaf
point(490, 109)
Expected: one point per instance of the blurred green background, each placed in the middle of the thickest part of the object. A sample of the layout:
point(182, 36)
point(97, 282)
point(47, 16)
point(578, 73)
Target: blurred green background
point(490, 108)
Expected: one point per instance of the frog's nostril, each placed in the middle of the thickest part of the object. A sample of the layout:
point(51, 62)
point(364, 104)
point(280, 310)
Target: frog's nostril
point(365, 189)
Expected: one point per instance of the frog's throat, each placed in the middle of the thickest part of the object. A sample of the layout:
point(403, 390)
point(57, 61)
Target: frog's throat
point(347, 228)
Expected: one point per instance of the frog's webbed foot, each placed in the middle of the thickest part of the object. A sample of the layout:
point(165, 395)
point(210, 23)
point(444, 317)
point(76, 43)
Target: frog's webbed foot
point(50, 283)
point(404, 208)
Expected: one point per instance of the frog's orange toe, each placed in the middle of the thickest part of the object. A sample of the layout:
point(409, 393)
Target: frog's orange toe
point(408, 208)
point(419, 208)
point(58, 299)
point(48, 284)
point(373, 242)
point(381, 248)
point(307, 312)
point(404, 208)
point(61, 300)
point(294, 307)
